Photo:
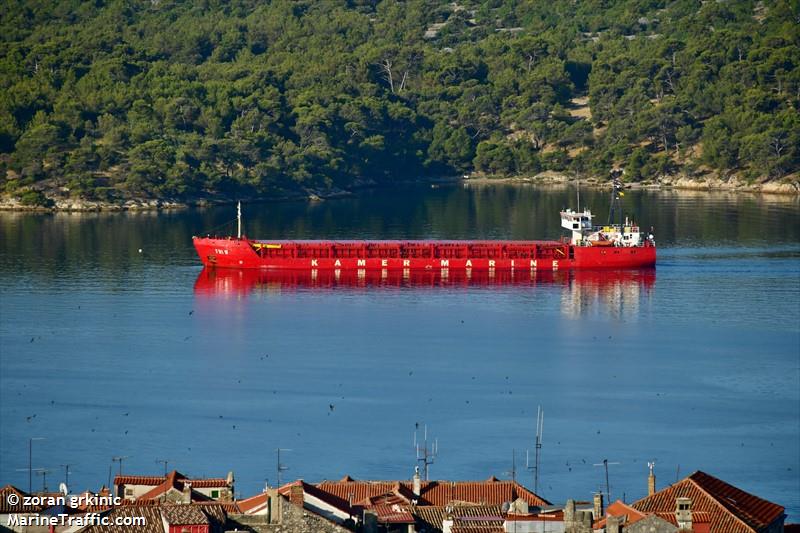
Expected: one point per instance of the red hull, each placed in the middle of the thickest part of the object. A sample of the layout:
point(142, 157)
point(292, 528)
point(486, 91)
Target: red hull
point(238, 282)
point(418, 255)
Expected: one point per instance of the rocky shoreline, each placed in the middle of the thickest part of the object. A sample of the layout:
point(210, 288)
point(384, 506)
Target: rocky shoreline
point(789, 185)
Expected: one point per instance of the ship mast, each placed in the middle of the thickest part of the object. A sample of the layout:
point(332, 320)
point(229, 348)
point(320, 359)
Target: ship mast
point(616, 192)
point(239, 219)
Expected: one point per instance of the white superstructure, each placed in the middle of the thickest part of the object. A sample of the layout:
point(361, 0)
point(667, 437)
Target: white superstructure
point(585, 234)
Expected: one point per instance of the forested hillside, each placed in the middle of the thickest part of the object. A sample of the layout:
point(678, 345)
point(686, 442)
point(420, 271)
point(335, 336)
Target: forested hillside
point(119, 99)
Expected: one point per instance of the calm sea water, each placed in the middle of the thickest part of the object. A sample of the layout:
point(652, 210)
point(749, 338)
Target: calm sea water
point(108, 351)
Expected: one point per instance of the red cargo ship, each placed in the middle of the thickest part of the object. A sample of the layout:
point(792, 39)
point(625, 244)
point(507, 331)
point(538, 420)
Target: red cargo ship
point(612, 246)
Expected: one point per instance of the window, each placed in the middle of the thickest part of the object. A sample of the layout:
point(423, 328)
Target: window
point(215, 494)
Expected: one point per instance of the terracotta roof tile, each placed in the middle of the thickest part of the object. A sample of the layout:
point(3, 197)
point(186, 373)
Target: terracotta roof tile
point(393, 514)
point(490, 492)
point(730, 510)
point(209, 483)
point(6, 508)
point(154, 514)
point(177, 481)
point(477, 528)
point(184, 515)
point(150, 513)
point(557, 516)
point(138, 480)
point(330, 498)
point(432, 516)
point(175, 475)
point(620, 508)
point(253, 502)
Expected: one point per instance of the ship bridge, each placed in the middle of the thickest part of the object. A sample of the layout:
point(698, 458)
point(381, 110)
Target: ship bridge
point(585, 234)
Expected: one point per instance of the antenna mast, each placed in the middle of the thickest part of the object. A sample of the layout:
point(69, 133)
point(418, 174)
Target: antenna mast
point(538, 452)
point(281, 467)
point(42, 472)
point(513, 471)
point(165, 462)
point(119, 459)
point(66, 474)
point(605, 464)
point(239, 219)
point(616, 193)
point(425, 455)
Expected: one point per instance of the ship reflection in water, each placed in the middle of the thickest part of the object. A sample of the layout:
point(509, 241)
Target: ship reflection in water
point(618, 291)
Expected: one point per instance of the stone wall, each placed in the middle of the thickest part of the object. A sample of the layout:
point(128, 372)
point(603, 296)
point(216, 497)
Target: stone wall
point(577, 521)
point(651, 524)
point(284, 517)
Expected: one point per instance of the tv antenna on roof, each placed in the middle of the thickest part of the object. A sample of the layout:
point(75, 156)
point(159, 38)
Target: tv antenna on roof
point(538, 452)
point(425, 455)
point(605, 464)
point(118, 459)
point(280, 467)
point(66, 474)
point(42, 472)
point(165, 462)
point(513, 471)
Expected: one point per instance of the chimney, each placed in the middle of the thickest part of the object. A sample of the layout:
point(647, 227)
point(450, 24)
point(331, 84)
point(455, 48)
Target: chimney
point(417, 482)
point(518, 506)
point(274, 507)
point(651, 480)
point(296, 494)
point(613, 524)
point(683, 513)
point(598, 506)
point(448, 522)
point(231, 495)
point(370, 521)
point(569, 513)
point(186, 495)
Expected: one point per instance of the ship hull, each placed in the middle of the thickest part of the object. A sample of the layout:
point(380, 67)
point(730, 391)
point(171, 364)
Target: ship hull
point(418, 255)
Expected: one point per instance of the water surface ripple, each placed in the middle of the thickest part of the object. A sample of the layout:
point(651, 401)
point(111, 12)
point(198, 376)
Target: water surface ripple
point(106, 351)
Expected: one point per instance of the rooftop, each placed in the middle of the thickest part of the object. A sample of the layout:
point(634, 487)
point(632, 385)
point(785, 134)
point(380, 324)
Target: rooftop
point(490, 492)
point(158, 480)
point(730, 509)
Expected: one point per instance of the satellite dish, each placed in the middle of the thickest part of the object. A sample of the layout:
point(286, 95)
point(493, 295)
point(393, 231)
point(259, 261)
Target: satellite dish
point(62, 488)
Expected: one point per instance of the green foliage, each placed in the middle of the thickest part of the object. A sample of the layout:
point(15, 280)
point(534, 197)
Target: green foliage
point(33, 198)
point(185, 99)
